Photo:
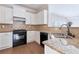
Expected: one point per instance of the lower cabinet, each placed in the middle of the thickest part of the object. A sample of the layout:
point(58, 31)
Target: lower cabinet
point(5, 40)
point(48, 50)
point(30, 36)
point(33, 36)
point(37, 36)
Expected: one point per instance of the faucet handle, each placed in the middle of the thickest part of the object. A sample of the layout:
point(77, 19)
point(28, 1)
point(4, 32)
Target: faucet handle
point(72, 35)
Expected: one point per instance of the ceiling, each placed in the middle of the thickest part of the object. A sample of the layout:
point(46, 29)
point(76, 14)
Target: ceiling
point(36, 7)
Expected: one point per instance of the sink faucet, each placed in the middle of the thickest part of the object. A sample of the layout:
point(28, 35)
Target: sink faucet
point(68, 29)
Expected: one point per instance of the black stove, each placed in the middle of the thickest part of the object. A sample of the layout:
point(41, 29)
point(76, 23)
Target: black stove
point(19, 37)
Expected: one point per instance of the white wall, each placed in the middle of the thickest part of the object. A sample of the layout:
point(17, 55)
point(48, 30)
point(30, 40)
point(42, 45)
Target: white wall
point(64, 13)
point(75, 21)
point(65, 9)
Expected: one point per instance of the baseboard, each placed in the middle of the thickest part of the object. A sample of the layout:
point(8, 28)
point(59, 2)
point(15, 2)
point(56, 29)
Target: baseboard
point(1, 48)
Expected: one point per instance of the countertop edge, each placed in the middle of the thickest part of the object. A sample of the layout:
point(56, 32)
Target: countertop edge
point(53, 48)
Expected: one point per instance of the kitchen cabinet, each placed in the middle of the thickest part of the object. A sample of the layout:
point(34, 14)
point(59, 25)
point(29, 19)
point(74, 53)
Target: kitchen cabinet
point(36, 18)
point(33, 36)
point(33, 19)
point(6, 14)
point(30, 36)
point(37, 37)
point(19, 11)
point(48, 50)
point(5, 40)
point(41, 17)
point(30, 18)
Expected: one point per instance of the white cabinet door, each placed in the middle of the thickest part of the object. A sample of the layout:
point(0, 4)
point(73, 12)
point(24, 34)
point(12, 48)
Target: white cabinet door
point(8, 39)
point(28, 18)
point(38, 18)
point(19, 11)
point(9, 15)
point(45, 17)
point(0, 40)
point(37, 36)
point(2, 14)
point(5, 40)
point(6, 15)
point(41, 17)
point(33, 18)
point(33, 36)
point(30, 36)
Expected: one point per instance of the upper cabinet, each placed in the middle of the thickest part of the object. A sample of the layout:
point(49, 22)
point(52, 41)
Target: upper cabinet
point(36, 18)
point(19, 11)
point(6, 14)
point(30, 18)
point(41, 17)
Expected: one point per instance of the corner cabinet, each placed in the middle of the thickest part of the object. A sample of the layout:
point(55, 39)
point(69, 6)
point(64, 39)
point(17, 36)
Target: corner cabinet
point(6, 14)
point(5, 40)
point(33, 36)
point(36, 18)
point(30, 18)
point(41, 17)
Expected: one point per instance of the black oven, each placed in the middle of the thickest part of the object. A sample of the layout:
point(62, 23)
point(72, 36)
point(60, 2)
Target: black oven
point(19, 37)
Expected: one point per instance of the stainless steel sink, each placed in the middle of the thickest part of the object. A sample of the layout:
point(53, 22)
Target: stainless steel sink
point(61, 35)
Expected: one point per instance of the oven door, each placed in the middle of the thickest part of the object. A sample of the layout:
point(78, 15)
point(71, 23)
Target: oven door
point(19, 39)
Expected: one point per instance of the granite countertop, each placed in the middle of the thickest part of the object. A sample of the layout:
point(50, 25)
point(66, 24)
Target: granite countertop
point(63, 49)
point(74, 41)
point(53, 47)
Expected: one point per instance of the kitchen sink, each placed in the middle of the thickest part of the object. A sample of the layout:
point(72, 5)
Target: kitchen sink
point(61, 35)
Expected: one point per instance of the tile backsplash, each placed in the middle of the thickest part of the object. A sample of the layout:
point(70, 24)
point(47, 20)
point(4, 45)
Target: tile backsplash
point(6, 27)
point(43, 28)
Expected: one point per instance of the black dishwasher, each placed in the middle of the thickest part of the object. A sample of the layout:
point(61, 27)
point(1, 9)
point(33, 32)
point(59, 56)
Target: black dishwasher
point(43, 37)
